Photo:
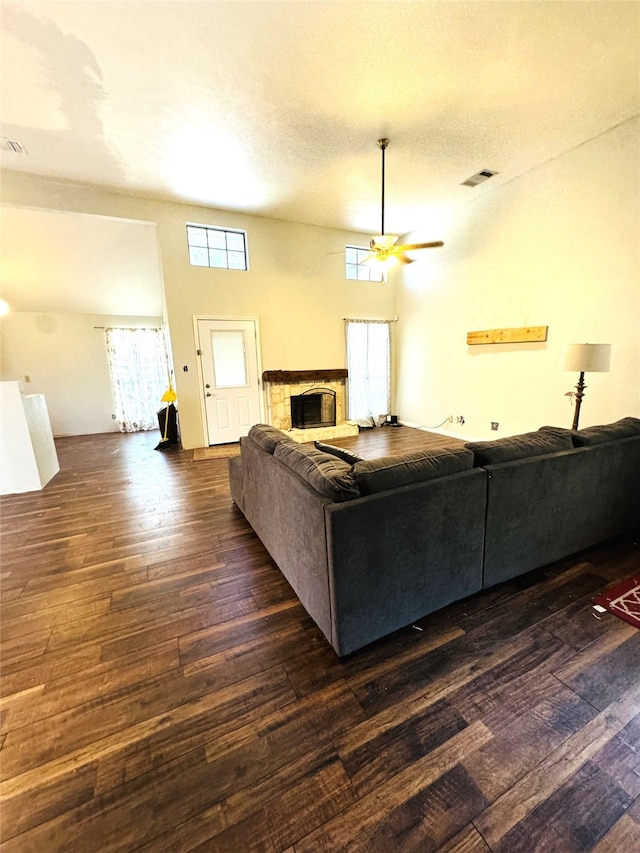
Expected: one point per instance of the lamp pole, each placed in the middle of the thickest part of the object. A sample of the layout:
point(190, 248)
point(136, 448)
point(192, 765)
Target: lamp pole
point(579, 395)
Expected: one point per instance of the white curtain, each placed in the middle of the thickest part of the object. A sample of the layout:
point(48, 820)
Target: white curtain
point(369, 366)
point(139, 375)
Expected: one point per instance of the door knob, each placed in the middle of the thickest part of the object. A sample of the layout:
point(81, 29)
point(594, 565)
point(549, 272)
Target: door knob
point(208, 394)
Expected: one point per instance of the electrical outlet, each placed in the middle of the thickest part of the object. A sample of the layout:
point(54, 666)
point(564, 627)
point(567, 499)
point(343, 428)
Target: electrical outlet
point(494, 425)
point(449, 419)
point(460, 419)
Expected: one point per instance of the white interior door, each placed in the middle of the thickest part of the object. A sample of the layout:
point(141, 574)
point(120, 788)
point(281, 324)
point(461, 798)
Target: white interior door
point(229, 358)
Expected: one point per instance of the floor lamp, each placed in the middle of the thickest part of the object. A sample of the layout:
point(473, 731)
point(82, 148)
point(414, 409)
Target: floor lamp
point(585, 358)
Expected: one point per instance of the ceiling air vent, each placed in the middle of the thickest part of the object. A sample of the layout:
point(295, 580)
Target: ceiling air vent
point(7, 144)
point(478, 178)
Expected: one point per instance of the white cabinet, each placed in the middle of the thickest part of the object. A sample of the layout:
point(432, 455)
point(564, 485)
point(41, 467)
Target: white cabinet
point(28, 458)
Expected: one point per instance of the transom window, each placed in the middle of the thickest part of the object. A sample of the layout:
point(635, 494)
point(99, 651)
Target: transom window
point(224, 248)
point(359, 271)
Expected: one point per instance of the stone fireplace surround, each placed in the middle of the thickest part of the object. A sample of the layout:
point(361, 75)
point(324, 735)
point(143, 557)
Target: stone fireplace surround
point(280, 385)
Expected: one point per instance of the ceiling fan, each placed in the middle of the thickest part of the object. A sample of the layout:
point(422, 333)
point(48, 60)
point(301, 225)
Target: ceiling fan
point(383, 248)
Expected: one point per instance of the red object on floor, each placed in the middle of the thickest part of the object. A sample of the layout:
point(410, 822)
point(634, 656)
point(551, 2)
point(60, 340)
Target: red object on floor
point(623, 600)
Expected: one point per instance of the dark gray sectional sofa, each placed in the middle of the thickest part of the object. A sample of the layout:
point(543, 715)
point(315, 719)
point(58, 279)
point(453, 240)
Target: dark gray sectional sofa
point(371, 546)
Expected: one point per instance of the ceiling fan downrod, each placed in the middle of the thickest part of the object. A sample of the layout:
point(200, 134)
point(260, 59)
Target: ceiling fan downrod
point(382, 145)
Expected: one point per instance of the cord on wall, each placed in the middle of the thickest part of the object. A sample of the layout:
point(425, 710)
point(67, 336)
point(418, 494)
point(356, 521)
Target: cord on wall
point(448, 420)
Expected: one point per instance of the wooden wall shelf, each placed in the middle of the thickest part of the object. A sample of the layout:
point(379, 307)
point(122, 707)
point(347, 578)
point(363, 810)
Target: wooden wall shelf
point(293, 376)
point(516, 335)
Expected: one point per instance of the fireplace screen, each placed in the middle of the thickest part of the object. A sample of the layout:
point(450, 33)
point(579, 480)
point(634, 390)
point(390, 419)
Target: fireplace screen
point(314, 408)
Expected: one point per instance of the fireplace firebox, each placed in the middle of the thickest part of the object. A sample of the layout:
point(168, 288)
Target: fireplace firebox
point(313, 408)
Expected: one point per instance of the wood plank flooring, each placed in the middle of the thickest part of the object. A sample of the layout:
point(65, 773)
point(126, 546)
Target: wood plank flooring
point(163, 690)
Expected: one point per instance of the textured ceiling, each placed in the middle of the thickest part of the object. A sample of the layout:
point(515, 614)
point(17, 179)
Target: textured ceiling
point(274, 108)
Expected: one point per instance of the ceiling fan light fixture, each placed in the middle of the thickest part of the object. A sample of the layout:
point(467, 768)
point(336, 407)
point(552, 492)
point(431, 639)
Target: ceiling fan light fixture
point(381, 265)
point(383, 241)
point(380, 259)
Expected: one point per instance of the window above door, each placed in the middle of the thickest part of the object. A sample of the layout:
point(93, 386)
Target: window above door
point(223, 248)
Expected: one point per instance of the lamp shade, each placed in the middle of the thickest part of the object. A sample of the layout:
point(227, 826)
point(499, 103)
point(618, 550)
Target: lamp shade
point(587, 358)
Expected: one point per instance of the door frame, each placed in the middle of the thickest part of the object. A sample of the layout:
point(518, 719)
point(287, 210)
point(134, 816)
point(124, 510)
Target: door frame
point(213, 318)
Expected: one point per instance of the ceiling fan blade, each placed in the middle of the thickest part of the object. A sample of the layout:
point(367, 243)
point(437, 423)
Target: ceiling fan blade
point(409, 247)
point(404, 259)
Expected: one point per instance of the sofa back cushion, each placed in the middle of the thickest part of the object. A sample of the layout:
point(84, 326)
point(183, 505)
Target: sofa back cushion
point(518, 447)
point(267, 437)
point(389, 472)
point(327, 474)
point(556, 430)
point(624, 428)
point(340, 452)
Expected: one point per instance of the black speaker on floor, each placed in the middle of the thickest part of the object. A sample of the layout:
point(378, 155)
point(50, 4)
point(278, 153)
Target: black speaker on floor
point(168, 423)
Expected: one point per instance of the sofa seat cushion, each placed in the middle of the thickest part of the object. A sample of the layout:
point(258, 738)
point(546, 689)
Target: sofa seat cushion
point(518, 447)
point(624, 428)
point(267, 437)
point(327, 474)
point(389, 472)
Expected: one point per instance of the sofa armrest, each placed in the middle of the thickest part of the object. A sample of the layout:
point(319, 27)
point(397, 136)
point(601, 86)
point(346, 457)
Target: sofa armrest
point(236, 484)
point(396, 556)
point(542, 509)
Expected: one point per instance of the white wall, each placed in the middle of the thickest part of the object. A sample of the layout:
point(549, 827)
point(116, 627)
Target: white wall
point(295, 284)
point(28, 458)
point(559, 246)
point(74, 263)
point(64, 357)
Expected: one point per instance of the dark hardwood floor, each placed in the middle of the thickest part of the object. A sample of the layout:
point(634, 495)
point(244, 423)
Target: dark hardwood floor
point(163, 690)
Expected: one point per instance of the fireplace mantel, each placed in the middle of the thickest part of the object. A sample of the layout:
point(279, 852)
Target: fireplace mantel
point(293, 376)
